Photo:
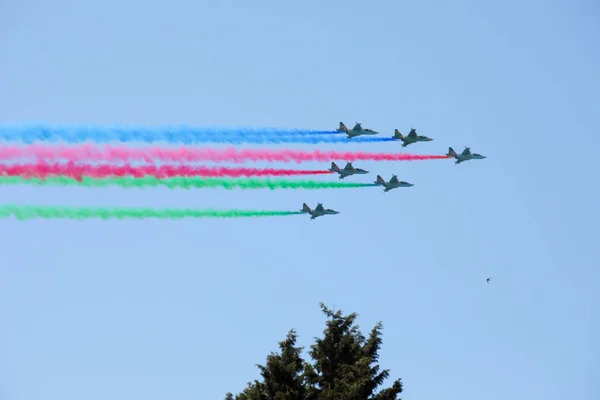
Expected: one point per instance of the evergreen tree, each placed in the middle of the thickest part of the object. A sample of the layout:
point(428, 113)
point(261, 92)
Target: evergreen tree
point(282, 375)
point(345, 367)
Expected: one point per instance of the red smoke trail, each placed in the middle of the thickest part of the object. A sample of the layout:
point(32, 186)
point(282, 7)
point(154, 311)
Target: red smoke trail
point(78, 171)
point(189, 154)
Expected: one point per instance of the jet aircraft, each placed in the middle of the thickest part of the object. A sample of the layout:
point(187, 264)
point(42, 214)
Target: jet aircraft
point(358, 130)
point(392, 184)
point(319, 211)
point(347, 171)
point(466, 155)
point(412, 137)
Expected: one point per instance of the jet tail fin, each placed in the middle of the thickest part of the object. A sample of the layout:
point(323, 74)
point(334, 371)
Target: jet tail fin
point(397, 134)
point(452, 153)
point(380, 180)
point(342, 127)
point(334, 167)
point(305, 208)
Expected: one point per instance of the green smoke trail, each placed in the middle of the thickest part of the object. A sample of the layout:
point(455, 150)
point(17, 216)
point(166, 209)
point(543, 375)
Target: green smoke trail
point(31, 212)
point(183, 182)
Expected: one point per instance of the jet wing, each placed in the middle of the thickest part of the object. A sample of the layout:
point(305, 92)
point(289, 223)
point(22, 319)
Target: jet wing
point(349, 166)
point(320, 208)
point(466, 152)
point(357, 127)
point(394, 179)
point(412, 134)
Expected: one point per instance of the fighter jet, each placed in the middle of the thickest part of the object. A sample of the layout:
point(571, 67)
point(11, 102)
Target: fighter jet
point(392, 184)
point(356, 131)
point(412, 137)
point(488, 280)
point(347, 171)
point(466, 155)
point(319, 211)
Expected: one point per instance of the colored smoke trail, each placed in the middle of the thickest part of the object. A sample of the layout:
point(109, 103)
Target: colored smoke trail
point(173, 134)
point(33, 212)
point(186, 154)
point(78, 171)
point(183, 183)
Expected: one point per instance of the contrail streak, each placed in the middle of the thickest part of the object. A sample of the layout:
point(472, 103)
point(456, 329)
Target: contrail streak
point(152, 154)
point(78, 171)
point(28, 133)
point(33, 212)
point(183, 183)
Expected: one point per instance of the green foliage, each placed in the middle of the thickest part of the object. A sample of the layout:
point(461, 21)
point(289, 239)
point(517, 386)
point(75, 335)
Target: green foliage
point(345, 367)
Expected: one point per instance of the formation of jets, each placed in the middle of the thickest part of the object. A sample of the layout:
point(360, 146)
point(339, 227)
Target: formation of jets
point(394, 183)
point(409, 139)
point(358, 130)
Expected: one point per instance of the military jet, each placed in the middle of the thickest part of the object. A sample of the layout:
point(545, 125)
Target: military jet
point(392, 184)
point(412, 137)
point(319, 211)
point(347, 171)
point(356, 131)
point(488, 280)
point(466, 155)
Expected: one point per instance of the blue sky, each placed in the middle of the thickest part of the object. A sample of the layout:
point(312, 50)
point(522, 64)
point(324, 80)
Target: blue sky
point(185, 309)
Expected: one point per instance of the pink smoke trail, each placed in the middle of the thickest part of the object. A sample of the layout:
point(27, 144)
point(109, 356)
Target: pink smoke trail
point(78, 171)
point(109, 153)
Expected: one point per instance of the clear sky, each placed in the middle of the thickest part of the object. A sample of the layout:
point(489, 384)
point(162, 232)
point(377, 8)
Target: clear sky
point(185, 309)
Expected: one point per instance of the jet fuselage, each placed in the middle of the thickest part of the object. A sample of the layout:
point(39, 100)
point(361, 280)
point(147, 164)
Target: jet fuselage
point(474, 156)
point(317, 214)
point(406, 141)
point(356, 171)
point(353, 133)
point(390, 186)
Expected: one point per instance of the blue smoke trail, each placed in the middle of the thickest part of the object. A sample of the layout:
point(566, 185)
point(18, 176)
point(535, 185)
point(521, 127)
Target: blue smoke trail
point(185, 135)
